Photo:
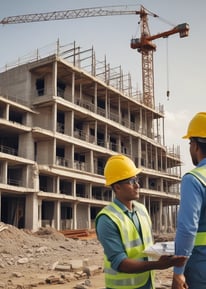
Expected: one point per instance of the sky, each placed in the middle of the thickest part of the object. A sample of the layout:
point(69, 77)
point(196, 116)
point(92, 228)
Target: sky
point(179, 63)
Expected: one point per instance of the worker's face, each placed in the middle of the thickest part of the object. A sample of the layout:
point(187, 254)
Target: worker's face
point(193, 151)
point(127, 190)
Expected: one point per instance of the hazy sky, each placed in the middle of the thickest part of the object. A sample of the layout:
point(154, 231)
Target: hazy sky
point(182, 72)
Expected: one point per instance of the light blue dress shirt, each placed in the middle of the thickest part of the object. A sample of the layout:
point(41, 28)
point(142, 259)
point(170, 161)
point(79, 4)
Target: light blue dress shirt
point(192, 210)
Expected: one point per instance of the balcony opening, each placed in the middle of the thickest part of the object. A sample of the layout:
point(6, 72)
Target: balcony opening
point(15, 116)
point(65, 187)
point(60, 121)
point(40, 83)
point(13, 211)
point(9, 144)
point(60, 88)
point(81, 191)
point(14, 176)
point(47, 214)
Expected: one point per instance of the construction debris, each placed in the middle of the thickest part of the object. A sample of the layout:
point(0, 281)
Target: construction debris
point(79, 234)
point(47, 258)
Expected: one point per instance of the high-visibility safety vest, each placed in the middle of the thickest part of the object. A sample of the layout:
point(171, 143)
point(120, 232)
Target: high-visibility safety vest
point(200, 174)
point(133, 244)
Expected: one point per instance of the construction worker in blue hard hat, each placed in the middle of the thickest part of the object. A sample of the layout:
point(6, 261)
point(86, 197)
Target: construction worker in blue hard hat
point(124, 230)
point(190, 237)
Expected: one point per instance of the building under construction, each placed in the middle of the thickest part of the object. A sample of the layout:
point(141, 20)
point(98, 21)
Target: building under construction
point(61, 117)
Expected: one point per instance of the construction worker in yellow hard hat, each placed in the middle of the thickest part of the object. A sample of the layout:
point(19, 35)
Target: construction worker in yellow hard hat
point(190, 237)
point(124, 230)
point(119, 168)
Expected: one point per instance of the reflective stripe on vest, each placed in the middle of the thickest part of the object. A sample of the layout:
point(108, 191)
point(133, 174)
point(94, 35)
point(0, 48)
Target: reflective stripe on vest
point(200, 239)
point(133, 246)
point(200, 174)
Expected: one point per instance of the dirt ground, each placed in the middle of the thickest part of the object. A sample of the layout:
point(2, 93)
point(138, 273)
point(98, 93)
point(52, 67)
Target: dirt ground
point(30, 260)
point(163, 281)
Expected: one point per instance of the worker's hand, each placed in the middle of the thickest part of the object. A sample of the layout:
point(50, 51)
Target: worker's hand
point(166, 261)
point(178, 282)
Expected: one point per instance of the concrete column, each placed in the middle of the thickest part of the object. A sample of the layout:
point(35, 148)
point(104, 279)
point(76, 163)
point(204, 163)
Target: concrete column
point(54, 79)
point(54, 117)
point(91, 161)
point(57, 214)
point(75, 216)
point(31, 212)
point(147, 182)
point(4, 172)
point(95, 131)
point(119, 110)
point(7, 111)
point(70, 129)
point(57, 190)
point(156, 159)
point(26, 146)
point(140, 126)
point(73, 87)
point(106, 136)
point(74, 189)
point(89, 216)
point(161, 185)
point(166, 218)
point(146, 154)
point(95, 97)
point(90, 191)
point(160, 215)
point(52, 158)
point(72, 156)
point(139, 153)
point(128, 115)
point(26, 178)
point(40, 213)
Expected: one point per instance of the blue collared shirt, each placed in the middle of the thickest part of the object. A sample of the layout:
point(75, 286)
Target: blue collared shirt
point(192, 198)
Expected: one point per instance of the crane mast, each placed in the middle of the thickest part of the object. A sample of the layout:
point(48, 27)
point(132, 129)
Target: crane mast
point(144, 44)
point(147, 60)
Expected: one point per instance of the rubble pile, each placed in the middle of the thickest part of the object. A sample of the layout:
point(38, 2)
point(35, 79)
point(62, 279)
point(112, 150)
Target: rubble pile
point(46, 256)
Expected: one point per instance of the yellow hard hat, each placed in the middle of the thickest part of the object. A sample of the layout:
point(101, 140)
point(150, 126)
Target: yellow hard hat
point(119, 168)
point(197, 126)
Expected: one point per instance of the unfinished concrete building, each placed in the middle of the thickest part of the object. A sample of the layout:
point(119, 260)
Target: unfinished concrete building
point(61, 117)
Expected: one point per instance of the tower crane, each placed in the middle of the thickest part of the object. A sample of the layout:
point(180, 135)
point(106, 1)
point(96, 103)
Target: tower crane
point(144, 44)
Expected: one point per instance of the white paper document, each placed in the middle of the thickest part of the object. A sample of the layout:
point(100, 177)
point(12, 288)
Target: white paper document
point(160, 248)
